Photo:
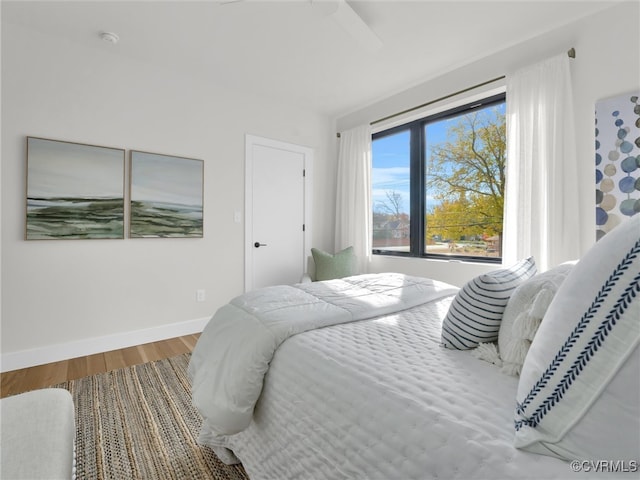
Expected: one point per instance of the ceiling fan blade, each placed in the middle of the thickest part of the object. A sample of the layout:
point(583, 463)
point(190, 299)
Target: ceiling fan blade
point(345, 16)
point(348, 19)
point(324, 7)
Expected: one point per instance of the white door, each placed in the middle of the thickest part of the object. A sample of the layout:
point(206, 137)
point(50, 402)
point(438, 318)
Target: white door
point(277, 206)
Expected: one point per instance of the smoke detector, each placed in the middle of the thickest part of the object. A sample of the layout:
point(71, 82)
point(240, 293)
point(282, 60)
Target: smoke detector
point(109, 37)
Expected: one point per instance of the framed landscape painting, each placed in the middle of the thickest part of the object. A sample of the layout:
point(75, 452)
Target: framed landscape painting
point(74, 191)
point(166, 196)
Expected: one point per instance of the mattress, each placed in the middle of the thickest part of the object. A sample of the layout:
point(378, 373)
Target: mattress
point(381, 399)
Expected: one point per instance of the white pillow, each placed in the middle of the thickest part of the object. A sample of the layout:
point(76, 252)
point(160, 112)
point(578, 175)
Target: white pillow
point(475, 313)
point(523, 315)
point(579, 390)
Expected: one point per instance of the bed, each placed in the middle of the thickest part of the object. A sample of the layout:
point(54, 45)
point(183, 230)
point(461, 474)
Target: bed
point(376, 395)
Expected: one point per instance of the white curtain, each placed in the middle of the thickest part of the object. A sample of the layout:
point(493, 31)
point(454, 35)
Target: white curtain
point(541, 199)
point(353, 198)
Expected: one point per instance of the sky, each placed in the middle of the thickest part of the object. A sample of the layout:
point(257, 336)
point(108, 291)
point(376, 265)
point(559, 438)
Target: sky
point(61, 169)
point(390, 167)
point(390, 171)
point(166, 179)
point(391, 162)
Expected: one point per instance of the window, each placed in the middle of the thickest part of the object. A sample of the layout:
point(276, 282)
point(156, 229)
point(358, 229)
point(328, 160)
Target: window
point(438, 184)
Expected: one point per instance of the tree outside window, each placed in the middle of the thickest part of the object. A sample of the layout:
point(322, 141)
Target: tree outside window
point(449, 169)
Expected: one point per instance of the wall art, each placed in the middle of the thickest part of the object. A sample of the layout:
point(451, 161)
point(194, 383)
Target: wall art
point(74, 190)
point(166, 196)
point(617, 161)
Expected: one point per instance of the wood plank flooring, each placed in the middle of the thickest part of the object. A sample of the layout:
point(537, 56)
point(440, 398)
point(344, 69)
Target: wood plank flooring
point(25, 379)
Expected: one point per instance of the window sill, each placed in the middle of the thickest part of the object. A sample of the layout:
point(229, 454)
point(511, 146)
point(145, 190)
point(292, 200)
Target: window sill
point(443, 259)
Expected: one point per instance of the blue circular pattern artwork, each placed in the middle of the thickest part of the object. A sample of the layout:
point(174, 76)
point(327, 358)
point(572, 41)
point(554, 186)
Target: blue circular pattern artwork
point(628, 207)
point(599, 196)
point(627, 184)
point(626, 147)
point(617, 159)
point(629, 165)
point(601, 216)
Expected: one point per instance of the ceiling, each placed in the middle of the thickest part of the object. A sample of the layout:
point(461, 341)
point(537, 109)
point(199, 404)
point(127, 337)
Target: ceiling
point(297, 51)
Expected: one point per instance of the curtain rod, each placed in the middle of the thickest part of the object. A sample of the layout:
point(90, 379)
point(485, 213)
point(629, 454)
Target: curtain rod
point(571, 53)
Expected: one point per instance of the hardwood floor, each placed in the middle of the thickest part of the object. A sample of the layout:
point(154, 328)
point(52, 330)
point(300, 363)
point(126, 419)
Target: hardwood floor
point(25, 379)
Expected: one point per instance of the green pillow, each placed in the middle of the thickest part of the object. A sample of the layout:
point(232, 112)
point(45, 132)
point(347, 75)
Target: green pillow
point(328, 267)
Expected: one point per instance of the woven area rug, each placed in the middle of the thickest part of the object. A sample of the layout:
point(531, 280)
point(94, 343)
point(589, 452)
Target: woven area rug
point(139, 423)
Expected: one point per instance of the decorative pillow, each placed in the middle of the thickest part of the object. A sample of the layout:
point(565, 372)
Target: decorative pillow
point(523, 314)
point(476, 311)
point(579, 390)
point(487, 352)
point(328, 267)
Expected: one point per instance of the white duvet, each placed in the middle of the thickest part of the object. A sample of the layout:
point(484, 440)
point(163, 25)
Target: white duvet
point(235, 349)
point(380, 398)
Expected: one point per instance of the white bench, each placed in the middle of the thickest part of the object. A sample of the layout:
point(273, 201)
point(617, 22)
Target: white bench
point(37, 435)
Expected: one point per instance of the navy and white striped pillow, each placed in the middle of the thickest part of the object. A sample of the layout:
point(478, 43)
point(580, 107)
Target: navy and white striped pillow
point(476, 312)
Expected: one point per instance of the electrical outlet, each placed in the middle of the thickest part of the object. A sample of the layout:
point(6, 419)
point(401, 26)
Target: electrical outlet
point(200, 295)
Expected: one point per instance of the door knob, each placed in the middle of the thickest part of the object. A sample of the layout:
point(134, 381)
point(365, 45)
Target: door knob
point(258, 244)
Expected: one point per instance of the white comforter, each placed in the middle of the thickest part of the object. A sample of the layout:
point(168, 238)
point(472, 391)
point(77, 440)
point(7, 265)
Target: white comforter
point(380, 399)
point(234, 351)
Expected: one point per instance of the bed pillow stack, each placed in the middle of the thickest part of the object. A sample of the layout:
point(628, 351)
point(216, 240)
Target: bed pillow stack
point(476, 312)
point(579, 390)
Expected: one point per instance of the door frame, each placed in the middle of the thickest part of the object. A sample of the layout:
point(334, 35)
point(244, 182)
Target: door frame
point(307, 152)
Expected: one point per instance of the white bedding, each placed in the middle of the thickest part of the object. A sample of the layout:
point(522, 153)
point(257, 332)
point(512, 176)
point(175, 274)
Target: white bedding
point(381, 399)
point(236, 347)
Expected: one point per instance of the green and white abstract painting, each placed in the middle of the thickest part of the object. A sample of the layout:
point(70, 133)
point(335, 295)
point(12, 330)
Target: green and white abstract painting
point(166, 196)
point(74, 191)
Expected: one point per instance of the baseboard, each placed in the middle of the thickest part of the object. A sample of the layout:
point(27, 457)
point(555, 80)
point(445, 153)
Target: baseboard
point(89, 346)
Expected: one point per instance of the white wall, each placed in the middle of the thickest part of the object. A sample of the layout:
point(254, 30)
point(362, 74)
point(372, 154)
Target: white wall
point(65, 298)
point(607, 64)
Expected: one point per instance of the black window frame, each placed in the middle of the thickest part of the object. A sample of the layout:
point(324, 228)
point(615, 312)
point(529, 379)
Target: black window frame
point(417, 180)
